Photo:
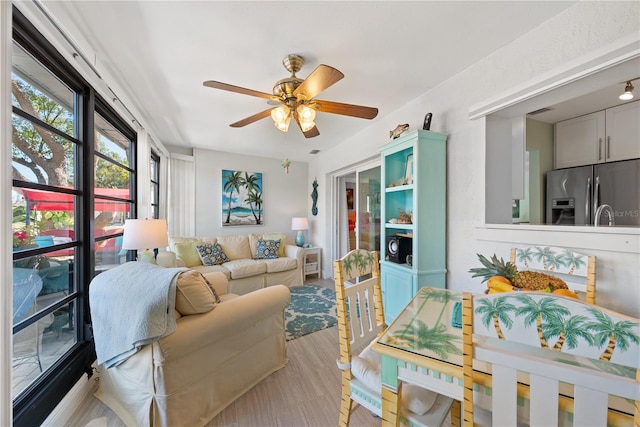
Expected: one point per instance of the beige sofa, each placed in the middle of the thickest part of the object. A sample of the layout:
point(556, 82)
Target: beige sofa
point(188, 377)
point(245, 273)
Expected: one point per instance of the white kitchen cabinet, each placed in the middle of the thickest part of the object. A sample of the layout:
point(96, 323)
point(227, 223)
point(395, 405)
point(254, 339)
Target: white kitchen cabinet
point(580, 141)
point(623, 132)
point(604, 136)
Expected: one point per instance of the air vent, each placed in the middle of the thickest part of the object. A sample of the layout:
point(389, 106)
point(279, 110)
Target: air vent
point(314, 151)
point(541, 110)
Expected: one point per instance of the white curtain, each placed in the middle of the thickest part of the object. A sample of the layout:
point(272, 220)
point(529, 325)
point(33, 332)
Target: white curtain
point(181, 210)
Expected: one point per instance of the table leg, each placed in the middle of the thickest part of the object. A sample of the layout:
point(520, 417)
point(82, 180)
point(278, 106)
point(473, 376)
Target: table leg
point(456, 414)
point(390, 408)
point(391, 392)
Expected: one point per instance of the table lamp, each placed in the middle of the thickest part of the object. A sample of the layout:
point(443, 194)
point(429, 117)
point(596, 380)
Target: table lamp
point(299, 224)
point(145, 234)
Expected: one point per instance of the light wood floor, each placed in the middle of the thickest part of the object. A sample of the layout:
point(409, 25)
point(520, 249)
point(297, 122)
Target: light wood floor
point(306, 392)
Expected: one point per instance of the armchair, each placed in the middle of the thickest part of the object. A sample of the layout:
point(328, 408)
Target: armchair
point(218, 352)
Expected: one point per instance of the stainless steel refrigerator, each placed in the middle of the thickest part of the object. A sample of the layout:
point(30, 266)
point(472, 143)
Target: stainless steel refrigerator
point(574, 194)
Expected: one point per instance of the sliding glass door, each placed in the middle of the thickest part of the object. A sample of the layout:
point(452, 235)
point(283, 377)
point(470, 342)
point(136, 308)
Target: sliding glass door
point(368, 223)
point(357, 209)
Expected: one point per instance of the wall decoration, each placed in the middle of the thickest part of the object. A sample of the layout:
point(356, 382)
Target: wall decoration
point(314, 197)
point(241, 198)
point(350, 198)
point(285, 164)
point(399, 130)
point(427, 122)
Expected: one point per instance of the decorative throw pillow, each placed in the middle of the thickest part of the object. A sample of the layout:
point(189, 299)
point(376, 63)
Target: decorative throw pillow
point(193, 295)
point(211, 254)
point(277, 236)
point(213, 290)
point(187, 252)
point(267, 249)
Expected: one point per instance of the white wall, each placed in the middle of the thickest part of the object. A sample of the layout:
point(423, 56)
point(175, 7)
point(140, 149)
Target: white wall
point(284, 195)
point(540, 147)
point(569, 36)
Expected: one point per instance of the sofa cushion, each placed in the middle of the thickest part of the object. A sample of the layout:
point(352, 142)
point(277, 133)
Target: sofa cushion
point(175, 239)
point(280, 264)
point(216, 297)
point(188, 253)
point(193, 295)
point(236, 246)
point(218, 281)
point(211, 254)
point(245, 268)
point(267, 249)
point(206, 269)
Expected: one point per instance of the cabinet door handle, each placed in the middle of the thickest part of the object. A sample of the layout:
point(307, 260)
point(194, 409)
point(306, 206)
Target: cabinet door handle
point(599, 148)
point(607, 151)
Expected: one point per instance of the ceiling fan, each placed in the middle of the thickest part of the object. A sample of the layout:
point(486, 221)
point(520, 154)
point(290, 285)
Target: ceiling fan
point(295, 98)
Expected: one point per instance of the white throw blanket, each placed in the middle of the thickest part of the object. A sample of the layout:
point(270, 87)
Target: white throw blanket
point(131, 305)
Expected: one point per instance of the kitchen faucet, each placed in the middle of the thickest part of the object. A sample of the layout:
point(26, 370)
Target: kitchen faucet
point(609, 211)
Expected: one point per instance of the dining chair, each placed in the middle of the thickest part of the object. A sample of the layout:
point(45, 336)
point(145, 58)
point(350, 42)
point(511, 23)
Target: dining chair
point(576, 269)
point(552, 358)
point(360, 322)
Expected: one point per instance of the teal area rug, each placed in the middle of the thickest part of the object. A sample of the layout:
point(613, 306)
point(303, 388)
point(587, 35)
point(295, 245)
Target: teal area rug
point(311, 309)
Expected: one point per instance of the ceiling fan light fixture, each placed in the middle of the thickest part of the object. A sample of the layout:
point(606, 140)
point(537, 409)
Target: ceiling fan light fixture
point(628, 92)
point(305, 113)
point(280, 114)
point(307, 126)
point(284, 124)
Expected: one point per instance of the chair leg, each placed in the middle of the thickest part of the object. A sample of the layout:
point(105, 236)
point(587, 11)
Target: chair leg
point(456, 414)
point(346, 402)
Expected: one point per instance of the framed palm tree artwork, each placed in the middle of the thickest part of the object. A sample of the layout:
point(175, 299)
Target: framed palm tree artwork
point(241, 198)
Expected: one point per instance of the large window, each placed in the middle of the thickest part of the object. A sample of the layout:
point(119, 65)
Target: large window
point(73, 172)
point(155, 185)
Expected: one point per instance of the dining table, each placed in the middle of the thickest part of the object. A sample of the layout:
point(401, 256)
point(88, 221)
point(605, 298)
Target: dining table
point(424, 346)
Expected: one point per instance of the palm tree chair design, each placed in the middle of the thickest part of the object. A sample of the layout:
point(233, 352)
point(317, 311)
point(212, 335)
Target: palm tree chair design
point(576, 269)
point(552, 359)
point(360, 322)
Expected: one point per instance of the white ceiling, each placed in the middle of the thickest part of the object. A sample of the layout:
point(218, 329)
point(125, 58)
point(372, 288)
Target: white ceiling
point(391, 52)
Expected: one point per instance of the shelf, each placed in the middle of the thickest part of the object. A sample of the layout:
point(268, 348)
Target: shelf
point(399, 226)
point(403, 267)
point(399, 188)
point(408, 235)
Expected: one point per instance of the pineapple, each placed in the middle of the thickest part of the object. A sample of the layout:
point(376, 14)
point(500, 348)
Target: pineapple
point(531, 280)
point(537, 281)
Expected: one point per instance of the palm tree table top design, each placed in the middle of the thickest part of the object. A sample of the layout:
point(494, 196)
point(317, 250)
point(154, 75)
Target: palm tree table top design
point(426, 333)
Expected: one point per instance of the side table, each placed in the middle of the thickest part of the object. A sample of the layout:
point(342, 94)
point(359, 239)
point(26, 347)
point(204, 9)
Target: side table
point(312, 261)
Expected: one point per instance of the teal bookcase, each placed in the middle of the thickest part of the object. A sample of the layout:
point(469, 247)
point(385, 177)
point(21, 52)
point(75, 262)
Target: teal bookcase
point(414, 175)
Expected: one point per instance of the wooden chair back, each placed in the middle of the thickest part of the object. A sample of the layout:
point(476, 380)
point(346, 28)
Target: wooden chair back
point(546, 348)
point(360, 313)
point(577, 270)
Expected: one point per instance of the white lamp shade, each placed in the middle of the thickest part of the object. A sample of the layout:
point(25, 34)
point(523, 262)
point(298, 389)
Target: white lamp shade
point(145, 234)
point(299, 224)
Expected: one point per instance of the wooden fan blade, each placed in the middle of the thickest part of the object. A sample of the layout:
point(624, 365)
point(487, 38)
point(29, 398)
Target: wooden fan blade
point(344, 109)
point(251, 119)
point(320, 79)
point(237, 89)
point(313, 132)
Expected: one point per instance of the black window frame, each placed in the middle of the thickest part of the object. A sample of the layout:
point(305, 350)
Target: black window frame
point(39, 399)
point(155, 183)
